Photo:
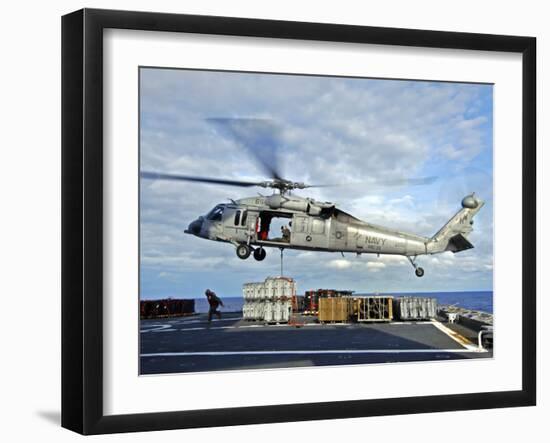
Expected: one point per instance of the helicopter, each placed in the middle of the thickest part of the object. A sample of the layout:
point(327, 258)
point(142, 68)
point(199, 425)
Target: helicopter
point(314, 225)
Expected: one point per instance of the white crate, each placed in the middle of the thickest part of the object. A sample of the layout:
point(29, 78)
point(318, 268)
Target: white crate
point(417, 308)
point(269, 300)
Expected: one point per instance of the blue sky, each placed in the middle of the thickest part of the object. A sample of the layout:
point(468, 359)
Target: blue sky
point(330, 130)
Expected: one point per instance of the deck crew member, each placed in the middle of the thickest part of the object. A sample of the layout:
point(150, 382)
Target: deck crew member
point(214, 301)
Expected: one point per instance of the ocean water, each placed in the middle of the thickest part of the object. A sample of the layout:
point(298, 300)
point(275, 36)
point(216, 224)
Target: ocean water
point(477, 300)
point(230, 304)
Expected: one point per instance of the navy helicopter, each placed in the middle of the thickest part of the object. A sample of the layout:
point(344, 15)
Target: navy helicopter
point(311, 224)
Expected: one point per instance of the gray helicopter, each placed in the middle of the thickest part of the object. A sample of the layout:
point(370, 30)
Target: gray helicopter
point(313, 225)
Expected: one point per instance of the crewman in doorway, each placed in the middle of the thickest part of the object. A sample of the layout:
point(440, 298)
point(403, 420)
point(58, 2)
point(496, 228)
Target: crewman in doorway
point(262, 227)
point(214, 301)
point(286, 233)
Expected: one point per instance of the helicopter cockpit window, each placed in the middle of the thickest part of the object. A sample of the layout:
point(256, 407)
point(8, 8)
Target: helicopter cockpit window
point(215, 214)
point(237, 217)
point(243, 219)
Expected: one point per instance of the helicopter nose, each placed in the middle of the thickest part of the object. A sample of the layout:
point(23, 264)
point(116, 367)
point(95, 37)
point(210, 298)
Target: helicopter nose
point(194, 227)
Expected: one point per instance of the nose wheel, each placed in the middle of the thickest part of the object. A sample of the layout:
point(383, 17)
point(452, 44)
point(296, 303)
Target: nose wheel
point(417, 269)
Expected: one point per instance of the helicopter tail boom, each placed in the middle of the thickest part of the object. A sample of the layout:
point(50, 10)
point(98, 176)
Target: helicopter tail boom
point(453, 236)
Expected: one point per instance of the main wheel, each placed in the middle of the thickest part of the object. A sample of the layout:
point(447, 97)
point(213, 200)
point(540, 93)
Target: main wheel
point(259, 254)
point(243, 251)
point(419, 272)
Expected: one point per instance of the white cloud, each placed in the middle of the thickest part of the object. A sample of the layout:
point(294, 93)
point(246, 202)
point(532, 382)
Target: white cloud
point(340, 264)
point(393, 260)
point(373, 266)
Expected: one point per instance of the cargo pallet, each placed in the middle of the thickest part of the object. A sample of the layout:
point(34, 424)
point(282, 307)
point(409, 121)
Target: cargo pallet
point(415, 308)
point(166, 308)
point(334, 309)
point(373, 308)
point(270, 301)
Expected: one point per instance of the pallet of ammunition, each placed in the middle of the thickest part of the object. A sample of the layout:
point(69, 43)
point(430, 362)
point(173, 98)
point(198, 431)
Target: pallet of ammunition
point(416, 308)
point(375, 308)
point(166, 308)
point(334, 310)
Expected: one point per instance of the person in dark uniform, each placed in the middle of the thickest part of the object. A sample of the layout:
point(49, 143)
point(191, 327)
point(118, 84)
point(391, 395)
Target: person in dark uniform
point(214, 301)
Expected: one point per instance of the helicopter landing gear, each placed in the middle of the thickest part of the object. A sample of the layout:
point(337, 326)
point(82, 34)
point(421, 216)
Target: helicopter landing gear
point(417, 269)
point(243, 251)
point(259, 254)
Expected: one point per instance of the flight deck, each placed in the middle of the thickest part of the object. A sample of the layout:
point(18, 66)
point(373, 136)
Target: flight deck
point(192, 344)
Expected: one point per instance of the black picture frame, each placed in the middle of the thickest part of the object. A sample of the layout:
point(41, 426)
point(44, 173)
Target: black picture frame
point(82, 215)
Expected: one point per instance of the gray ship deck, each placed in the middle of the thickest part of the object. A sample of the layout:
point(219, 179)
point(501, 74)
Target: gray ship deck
point(191, 344)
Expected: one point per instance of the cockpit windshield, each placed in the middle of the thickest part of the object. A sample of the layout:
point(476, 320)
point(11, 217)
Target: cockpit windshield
point(216, 213)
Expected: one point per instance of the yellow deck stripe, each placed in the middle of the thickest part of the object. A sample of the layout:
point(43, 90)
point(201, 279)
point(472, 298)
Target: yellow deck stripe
point(460, 339)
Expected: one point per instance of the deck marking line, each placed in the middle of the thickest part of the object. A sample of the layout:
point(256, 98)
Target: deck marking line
point(213, 328)
point(156, 328)
point(194, 329)
point(189, 322)
point(309, 352)
point(460, 339)
point(397, 323)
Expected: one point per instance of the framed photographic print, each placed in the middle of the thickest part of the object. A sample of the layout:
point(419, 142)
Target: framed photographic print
point(298, 217)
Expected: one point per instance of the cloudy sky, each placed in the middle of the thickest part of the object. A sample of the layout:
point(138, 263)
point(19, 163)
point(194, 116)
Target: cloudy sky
point(329, 130)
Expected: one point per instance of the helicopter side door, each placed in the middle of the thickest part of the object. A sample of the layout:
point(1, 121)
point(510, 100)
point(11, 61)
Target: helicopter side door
point(235, 224)
point(310, 232)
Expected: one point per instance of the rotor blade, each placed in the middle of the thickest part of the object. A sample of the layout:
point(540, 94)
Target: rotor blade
point(260, 137)
point(420, 181)
point(215, 181)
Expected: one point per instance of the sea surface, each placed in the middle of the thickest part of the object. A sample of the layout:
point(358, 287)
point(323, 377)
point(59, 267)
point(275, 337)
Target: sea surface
point(476, 300)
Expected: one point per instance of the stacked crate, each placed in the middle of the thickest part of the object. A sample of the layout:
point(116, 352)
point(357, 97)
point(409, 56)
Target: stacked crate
point(311, 303)
point(166, 308)
point(373, 308)
point(252, 307)
point(270, 300)
point(334, 309)
point(313, 297)
point(416, 308)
